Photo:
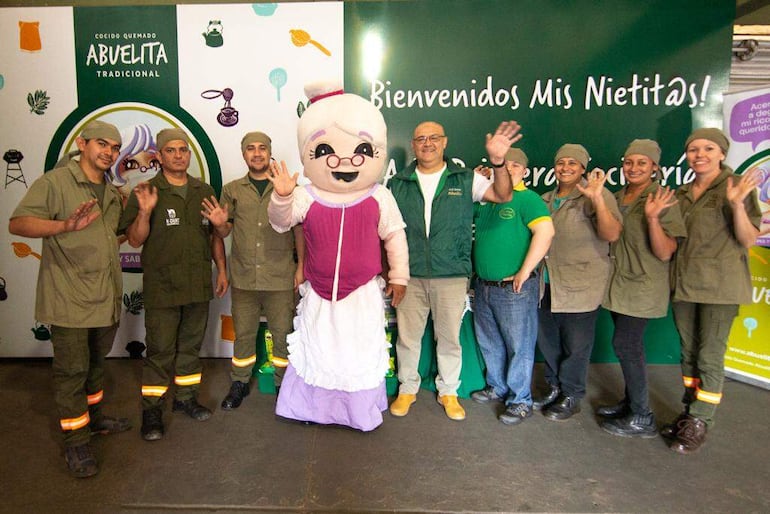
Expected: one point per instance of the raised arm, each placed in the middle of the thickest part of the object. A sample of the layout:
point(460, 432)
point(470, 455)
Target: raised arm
point(32, 227)
point(608, 227)
point(497, 145)
point(139, 230)
point(663, 245)
point(745, 231)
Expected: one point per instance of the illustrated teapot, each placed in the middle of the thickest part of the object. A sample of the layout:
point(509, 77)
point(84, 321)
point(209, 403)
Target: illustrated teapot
point(213, 34)
point(41, 331)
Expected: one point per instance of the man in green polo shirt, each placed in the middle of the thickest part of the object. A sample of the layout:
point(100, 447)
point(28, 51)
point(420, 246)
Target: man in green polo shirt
point(263, 272)
point(511, 239)
point(76, 211)
point(164, 216)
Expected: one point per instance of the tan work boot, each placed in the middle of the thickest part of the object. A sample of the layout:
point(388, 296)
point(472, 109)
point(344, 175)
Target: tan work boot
point(400, 406)
point(452, 407)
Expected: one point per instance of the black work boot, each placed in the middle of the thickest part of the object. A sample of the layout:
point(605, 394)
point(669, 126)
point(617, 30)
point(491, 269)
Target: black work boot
point(632, 425)
point(541, 402)
point(619, 410)
point(106, 425)
point(152, 424)
point(670, 430)
point(564, 408)
point(238, 391)
point(690, 436)
point(192, 408)
point(81, 461)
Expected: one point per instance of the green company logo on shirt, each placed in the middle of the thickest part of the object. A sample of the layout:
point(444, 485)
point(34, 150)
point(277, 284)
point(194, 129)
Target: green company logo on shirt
point(507, 213)
point(454, 191)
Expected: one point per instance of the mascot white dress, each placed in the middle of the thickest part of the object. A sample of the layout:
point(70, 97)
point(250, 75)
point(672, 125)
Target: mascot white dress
point(338, 353)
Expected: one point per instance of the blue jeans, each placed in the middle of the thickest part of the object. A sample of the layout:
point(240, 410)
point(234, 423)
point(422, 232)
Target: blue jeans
point(506, 329)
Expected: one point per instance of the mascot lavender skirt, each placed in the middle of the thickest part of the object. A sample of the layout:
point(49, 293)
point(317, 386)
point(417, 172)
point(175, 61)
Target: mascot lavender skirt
point(332, 378)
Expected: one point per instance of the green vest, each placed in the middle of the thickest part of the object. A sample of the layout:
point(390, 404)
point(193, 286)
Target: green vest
point(447, 252)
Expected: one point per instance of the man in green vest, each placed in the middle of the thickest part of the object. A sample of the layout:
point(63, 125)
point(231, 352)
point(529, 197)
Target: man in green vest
point(164, 216)
point(436, 198)
point(263, 272)
point(76, 211)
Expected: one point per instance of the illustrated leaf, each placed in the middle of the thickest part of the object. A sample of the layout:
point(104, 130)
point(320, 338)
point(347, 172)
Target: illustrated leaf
point(39, 102)
point(300, 109)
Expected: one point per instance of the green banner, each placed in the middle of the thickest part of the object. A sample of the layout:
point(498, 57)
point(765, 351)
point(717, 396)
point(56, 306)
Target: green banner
point(596, 73)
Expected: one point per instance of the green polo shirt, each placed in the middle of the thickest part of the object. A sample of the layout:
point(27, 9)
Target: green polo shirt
point(504, 232)
point(79, 284)
point(261, 259)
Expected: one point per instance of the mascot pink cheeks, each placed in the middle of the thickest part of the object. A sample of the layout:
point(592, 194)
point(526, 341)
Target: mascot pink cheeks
point(338, 354)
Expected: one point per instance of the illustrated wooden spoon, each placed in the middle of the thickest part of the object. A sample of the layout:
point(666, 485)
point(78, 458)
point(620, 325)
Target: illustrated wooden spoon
point(301, 38)
point(23, 250)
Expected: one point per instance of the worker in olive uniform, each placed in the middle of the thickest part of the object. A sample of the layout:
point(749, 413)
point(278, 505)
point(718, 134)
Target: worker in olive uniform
point(164, 215)
point(263, 273)
point(76, 211)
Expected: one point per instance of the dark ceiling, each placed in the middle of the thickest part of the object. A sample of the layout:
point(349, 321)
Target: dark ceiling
point(752, 12)
point(748, 12)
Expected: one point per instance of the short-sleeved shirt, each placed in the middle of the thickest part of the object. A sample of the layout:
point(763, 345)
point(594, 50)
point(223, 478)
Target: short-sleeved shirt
point(80, 284)
point(711, 266)
point(639, 284)
point(261, 259)
point(176, 257)
point(578, 261)
point(504, 232)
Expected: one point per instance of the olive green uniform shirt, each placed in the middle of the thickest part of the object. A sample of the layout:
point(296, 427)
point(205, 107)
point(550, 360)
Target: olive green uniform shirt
point(639, 281)
point(578, 261)
point(79, 284)
point(711, 266)
point(176, 257)
point(261, 258)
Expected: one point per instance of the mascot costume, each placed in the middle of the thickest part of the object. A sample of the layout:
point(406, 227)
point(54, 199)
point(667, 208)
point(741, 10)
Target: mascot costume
point(338, 353)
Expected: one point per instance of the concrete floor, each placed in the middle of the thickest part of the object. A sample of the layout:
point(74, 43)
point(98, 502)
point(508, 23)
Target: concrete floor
point(248, 461)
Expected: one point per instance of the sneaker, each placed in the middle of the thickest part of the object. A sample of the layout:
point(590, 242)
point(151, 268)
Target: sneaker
point(107, 425)
point(515, 413)
point(192, 408)
point(81, 461)
point(152, 424)
point(486, 395)
point(632, 425)
point(238, 391)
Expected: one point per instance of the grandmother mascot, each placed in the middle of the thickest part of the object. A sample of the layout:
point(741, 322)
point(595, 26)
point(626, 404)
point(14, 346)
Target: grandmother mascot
point(338, 353)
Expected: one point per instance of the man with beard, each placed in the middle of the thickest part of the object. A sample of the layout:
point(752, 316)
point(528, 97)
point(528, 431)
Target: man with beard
point(263, 270)
point(76, 211)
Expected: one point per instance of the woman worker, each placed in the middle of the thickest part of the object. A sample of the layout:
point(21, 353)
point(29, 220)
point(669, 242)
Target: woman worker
point(710, 277)
point(639, 281)
point(586, 219)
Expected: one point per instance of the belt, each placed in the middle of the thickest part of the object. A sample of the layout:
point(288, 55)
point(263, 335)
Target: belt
point(502, 283)
point(496, 283)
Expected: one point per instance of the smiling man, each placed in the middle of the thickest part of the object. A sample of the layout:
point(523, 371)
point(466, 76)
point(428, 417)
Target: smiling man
point(76, 212)
point(436, 198)
point(263, 272)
